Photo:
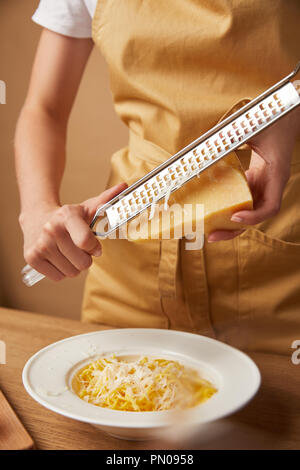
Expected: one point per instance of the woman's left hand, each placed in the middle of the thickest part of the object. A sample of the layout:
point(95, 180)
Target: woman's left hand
point(268, 173)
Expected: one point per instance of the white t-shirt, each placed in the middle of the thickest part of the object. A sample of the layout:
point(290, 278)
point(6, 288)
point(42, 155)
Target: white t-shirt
point(68, 17)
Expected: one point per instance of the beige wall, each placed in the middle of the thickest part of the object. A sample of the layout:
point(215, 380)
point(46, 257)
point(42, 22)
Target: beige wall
point(94, 133)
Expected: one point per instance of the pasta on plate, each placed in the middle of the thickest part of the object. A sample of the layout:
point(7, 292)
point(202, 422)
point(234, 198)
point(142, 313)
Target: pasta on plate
point(143, 384)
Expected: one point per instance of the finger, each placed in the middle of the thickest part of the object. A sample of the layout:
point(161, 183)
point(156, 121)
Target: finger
point(220, 235)
point(249, 217)
point(268, 207)
point(48, 250)
point(268, 203)
point(80, 259)
point(91, 205)
point(57, 259)
point(82, 236)
point(108, 194)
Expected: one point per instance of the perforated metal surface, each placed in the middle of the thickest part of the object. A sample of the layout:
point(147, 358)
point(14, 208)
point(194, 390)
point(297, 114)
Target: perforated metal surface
point(202, 156)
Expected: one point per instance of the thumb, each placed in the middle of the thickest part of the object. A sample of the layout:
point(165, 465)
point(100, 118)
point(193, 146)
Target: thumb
point(91, 205)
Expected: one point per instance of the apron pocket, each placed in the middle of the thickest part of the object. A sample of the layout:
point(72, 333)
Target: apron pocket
point(268, 292)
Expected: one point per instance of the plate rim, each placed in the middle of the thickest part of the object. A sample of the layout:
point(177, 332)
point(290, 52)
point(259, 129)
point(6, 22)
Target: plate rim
point(110, 421)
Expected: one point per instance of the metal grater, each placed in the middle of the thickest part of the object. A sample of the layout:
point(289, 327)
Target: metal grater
point(203, 152)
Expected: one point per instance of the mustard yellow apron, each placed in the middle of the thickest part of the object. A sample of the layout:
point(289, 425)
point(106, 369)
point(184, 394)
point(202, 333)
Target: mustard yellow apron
point(177, 66)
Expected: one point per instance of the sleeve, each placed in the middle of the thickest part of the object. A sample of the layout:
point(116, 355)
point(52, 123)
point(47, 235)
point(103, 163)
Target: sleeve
point(67, 17)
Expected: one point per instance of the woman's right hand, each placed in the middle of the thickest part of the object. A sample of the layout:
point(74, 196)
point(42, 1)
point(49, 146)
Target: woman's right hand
point(58, 241)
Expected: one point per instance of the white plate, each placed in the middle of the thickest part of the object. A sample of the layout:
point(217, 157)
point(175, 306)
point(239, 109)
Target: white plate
point(48, 374)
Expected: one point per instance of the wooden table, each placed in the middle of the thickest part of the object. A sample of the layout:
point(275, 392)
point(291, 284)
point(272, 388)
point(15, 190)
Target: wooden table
point(270, 421)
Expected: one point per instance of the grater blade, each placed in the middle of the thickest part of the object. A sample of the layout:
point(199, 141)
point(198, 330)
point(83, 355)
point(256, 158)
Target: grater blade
point(215, 144)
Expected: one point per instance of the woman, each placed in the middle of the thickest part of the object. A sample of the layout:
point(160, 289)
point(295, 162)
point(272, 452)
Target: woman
point(176, 68)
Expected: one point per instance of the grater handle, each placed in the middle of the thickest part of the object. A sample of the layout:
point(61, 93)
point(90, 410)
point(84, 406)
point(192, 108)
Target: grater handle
point(104, 221)
point(296, 70)
point(30, 276)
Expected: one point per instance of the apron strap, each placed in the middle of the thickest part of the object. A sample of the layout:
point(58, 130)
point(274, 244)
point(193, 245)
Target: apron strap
point(168, 268)
point(170, 287)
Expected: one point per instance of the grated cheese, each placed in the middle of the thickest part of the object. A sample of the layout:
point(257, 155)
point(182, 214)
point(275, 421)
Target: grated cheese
point(141, 385)
point(152, 210)
point(167, 196)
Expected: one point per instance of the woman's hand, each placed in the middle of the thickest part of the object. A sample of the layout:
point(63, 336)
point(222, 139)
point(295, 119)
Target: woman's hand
point(58, 241)
point(268, 173)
